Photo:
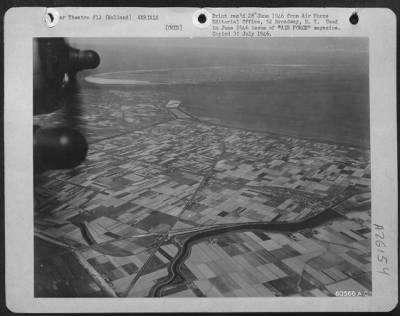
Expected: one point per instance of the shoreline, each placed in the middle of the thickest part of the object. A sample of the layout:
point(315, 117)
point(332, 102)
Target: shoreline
point(143, 86)
point(329, 141)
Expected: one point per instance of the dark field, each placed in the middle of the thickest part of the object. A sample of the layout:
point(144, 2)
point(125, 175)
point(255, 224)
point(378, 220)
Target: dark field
point(59, 274)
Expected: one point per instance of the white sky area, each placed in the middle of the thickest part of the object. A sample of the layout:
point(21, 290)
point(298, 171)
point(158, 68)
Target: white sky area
point(119, 54)
point(281, 43)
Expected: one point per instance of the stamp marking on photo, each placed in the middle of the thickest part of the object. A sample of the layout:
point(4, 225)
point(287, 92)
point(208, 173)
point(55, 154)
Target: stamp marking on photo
point(185, 159)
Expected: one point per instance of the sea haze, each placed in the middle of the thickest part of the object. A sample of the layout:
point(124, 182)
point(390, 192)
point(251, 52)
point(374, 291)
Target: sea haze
point(305, 87)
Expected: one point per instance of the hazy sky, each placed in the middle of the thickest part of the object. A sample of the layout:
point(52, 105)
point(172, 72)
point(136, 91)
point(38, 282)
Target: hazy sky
point(147, 53)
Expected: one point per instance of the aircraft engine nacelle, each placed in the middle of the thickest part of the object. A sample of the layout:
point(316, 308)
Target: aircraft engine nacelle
point(58, 148)
point(55, 65)
point(82, 59)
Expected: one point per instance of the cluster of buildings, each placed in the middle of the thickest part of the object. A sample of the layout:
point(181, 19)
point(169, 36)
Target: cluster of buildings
point(100, 114)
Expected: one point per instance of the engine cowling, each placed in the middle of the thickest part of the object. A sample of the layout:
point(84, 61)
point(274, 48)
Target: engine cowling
point(58, 148)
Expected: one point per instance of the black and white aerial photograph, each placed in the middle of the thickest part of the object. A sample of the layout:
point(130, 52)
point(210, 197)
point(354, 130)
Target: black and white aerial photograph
point(201, 167)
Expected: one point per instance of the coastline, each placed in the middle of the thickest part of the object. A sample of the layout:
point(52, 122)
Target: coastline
point(281, 133)
point(173, 90)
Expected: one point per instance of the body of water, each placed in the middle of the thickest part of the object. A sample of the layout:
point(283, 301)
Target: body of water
point(315, 88)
